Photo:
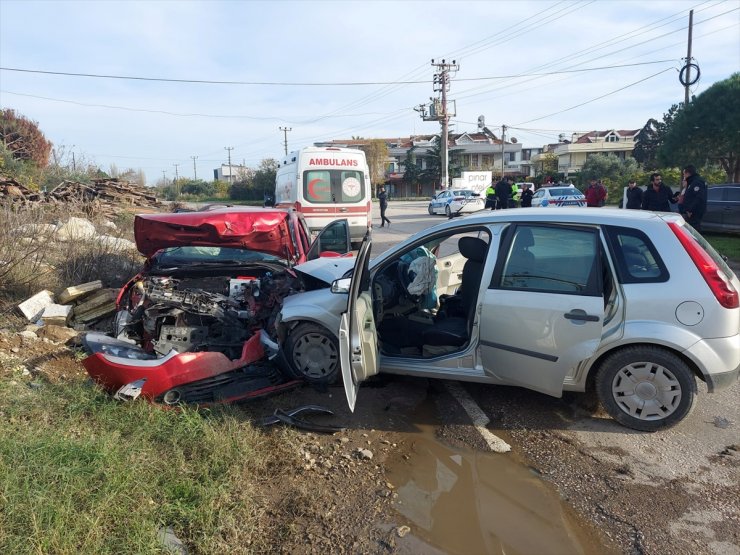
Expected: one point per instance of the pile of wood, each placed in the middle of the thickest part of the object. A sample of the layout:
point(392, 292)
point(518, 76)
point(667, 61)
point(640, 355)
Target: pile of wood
point(11, 189)
point(109, 195)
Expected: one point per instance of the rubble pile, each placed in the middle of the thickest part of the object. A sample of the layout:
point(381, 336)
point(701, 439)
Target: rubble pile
point(109, 194)
point(75, 307)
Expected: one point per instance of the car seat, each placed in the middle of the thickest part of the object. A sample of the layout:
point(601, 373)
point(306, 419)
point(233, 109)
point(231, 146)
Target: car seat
point(451, 329)
point(522, 260)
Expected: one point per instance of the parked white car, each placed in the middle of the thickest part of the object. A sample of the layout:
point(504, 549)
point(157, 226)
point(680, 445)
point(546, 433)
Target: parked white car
point(633, 303)
point(456, 201)
point(558, 197)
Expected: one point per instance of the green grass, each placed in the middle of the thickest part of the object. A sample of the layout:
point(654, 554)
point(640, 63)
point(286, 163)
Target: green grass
point(726, 245)
point(81, 473)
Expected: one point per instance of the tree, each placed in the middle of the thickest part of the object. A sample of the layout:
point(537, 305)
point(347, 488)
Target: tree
point(706, 131)
point(264, 178)
point(548, 164)
point(376, 152)
point(651, 137)
point(433, 171)
point(614, 172)
point(23, 139)
point(411, 172)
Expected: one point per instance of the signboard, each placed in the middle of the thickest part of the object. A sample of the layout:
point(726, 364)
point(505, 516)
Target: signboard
point(477, 181)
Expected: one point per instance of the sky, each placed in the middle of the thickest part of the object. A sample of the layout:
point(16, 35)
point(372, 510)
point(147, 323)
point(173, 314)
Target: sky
point(332, 70)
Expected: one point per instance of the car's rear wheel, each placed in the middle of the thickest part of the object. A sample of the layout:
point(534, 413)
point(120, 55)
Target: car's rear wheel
point(646, 388)
point(448, 211)
point(311, 352)
point(431, 210)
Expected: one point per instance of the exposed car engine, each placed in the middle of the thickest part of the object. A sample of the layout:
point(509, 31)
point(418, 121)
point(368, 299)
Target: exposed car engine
point(211, 313)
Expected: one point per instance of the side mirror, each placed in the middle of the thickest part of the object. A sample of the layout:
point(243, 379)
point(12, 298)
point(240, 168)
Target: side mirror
point(341, 285)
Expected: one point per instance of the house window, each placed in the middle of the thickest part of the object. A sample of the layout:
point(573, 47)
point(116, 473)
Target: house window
point(511, 156)
point(612, 139)
point(487, 160)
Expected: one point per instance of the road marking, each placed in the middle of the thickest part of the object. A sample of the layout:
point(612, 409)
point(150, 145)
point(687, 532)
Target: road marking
point(479, 418)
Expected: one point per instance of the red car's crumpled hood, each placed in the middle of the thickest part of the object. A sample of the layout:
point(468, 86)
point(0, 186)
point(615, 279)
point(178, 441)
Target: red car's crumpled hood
point(257, 229)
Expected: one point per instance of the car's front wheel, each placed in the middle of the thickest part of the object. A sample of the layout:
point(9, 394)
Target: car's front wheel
point(646, 388)
point(431, 210)
point(311, 352)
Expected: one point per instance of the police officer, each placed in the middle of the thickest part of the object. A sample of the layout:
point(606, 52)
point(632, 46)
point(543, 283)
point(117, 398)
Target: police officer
point(491, 197)
point(695, 198)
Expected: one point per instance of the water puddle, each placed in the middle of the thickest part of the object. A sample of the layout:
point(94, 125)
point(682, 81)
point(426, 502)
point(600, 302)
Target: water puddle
point(470, 502)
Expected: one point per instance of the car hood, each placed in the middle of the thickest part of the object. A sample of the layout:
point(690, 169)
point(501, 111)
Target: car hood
point(326, 269)
point(256, 229)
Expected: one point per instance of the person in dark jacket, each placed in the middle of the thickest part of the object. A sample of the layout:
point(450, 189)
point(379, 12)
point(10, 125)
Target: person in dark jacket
point(503, 192)
point(658, 196)
point(634, 195)
point(527, 196)
point(695, 198)
point(383, 201)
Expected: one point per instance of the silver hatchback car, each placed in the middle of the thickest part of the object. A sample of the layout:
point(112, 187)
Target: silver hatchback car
point(635, 304)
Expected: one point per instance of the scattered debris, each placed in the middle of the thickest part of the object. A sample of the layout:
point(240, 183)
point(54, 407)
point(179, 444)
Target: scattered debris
point(364, 454)
point(289, 417)
point(721, 422)
point(56, 314)
point(33, 307)
point(402, 531)
point(77, 291)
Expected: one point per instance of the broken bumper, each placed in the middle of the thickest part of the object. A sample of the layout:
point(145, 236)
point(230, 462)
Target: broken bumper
point(205, 378)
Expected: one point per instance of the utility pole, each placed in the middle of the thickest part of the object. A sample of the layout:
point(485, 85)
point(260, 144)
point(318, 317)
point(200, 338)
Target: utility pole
point(687, 82)
point(74, 164)
point(229, 149)
point(503, 143)
point(195, 172)
point(175, 183)
point(164, 177)
point(285, 134)
point(441, 112)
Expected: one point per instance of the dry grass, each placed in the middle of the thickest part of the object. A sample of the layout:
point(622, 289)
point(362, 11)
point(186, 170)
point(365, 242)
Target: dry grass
point(33, 258)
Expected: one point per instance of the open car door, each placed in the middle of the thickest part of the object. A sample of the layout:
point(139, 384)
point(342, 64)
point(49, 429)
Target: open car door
point(333, 240)
point(358, 337)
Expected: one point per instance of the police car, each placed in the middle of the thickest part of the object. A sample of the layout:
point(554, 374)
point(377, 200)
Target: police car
point(456, 201)
point(556, 197)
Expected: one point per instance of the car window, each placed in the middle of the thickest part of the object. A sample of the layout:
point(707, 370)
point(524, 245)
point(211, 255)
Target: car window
point(733, 194)
point(539, 194)
point(565, 192)
point(555, 259)
point(636, 258)
point(714, 193)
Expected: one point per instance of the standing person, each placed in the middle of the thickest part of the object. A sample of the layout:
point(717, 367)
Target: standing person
point(694, 198)
point(595, 194)
point(634, 195)
point(658, 196)
point(527, 195)
point(503, 192)
point(491, 197)
point(383, 200)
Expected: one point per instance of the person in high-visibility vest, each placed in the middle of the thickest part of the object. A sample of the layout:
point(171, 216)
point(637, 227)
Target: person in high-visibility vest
point(516, 194)
point(491, 197)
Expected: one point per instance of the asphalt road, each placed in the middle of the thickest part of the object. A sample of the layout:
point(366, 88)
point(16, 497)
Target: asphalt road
point(674, 491)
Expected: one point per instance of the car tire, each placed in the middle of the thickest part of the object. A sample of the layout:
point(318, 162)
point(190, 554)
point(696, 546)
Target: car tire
point(311, 353)
point(646, 388)
point(448, 212)
point(431, 210)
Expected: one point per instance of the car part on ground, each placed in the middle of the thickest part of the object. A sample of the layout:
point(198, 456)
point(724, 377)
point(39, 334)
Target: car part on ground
point(290, 418)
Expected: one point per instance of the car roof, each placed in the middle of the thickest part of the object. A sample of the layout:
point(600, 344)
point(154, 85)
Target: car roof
point(566, 214)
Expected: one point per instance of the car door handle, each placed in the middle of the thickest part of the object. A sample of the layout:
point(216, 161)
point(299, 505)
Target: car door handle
point(578, 314)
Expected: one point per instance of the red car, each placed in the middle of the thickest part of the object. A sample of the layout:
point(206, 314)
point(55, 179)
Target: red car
point(190, 326)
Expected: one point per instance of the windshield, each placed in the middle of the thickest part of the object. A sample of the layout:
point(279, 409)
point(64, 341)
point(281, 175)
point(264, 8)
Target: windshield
point(211, 255)
point(565, 192)
point(463, 193)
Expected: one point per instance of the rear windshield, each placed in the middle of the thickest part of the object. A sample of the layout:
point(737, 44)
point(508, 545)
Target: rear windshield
point(210, 255)
point(333, 186)
point(565, 192)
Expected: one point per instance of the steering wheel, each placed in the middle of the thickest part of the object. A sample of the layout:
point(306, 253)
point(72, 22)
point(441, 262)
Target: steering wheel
point(402, 270)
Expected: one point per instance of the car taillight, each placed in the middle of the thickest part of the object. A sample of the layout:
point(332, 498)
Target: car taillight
point(719, 284)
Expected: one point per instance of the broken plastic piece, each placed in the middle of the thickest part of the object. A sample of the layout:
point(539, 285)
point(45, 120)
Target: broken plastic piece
point(289, 417)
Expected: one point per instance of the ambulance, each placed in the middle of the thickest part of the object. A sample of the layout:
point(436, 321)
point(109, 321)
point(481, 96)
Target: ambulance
point(326, 184)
